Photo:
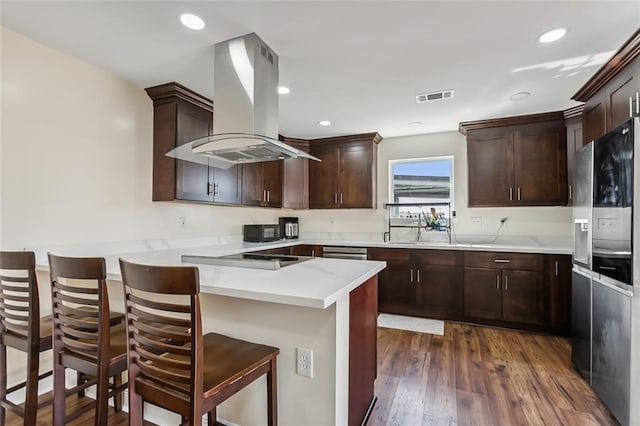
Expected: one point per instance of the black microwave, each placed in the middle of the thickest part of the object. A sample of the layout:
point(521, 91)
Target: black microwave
point(261, 233)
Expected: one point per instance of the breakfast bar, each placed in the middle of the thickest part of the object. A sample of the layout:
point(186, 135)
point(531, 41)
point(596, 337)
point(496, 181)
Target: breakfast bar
point(326, 306)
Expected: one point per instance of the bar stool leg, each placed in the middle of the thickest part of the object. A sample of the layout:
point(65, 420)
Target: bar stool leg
point(59, 392)
point(102, 398)
point(3, 382)
point(117, 398)
point(31, 399)
point(272, 393)
point(212, 417)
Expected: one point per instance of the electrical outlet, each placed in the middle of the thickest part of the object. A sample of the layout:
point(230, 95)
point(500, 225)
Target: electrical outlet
point(503, 221)
point(304, 362)
point(476, 220)
point(182, 221)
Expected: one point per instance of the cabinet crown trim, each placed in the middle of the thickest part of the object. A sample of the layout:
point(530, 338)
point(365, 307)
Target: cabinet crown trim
point(465, 126)
point(362, 137)
point(627, 53)
point(168, 91)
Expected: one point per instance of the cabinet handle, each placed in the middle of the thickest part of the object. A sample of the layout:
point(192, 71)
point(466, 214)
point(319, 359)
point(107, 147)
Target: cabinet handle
point(216, 189)
point(570, 192)
point(418, 274)
point(209, 188)
point(268, 195)
point(313, 253)
point(412, 275)
point(510, 194)
point(341, 198)
point(519, 194)
point(506, 283)
point(335, 198)
point(638, 103)
point(556, 268)
point(264, 195)
point(502, 261)
point(497, 282)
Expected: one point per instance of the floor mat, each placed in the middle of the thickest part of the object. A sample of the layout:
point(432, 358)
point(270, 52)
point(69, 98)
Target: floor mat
point(421, 325)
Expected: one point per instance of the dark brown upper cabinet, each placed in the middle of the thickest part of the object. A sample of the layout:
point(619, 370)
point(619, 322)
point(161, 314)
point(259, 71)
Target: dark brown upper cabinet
point(346, 176)
point(517, 161)
point(181, 115)
point(611, 95)
point(295, 188)
point(262, 184)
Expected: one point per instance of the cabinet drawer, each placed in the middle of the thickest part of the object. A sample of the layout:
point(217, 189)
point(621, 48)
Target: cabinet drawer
point(438, 257)
point(523, 261)
point(388, 254)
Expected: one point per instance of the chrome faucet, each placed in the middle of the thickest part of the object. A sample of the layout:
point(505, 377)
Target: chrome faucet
point(419, 236)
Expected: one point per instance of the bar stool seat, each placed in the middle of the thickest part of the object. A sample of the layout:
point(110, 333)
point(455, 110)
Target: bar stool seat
point(22, 328)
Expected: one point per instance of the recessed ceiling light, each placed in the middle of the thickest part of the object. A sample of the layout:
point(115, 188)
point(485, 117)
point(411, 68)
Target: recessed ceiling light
point(324, 123)
point(520, 96)
point(192, 21)
point(415, 124)
point(552, 35)
point(283, 90)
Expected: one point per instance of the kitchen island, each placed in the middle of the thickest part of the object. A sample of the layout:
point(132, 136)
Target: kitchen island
point(328, 306)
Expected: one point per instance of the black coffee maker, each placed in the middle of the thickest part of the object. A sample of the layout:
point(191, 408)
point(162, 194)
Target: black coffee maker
point(289, 227)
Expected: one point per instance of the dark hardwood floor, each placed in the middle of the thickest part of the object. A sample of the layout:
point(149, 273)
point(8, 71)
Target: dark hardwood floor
point(482, 376)
point(472, 375)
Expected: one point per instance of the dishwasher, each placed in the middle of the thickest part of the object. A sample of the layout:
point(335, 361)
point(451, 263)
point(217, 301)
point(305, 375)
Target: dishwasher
point(351, 253)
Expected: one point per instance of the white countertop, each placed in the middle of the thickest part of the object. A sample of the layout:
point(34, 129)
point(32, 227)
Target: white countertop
point(314, 283)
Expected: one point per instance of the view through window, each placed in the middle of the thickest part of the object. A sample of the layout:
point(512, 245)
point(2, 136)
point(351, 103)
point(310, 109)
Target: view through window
point(423, 180)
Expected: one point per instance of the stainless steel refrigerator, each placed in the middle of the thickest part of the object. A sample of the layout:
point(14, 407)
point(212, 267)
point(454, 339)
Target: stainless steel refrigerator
point(606, 285)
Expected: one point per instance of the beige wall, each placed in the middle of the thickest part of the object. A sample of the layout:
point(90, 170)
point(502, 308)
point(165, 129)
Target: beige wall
point(75, 158)
point(76, 148)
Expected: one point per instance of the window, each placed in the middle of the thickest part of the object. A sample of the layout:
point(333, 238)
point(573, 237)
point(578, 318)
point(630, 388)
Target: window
point(421, 180)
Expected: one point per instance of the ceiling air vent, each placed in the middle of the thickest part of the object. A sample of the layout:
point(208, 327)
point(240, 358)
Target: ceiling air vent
point(434, 96)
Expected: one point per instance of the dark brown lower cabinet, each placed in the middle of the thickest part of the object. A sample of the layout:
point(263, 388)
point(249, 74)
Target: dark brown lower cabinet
point(306, 250)
point(395, 282)
point(557, 289)
point(482, 293)
point(426, 283)
point(522, 297)
point(504, 287)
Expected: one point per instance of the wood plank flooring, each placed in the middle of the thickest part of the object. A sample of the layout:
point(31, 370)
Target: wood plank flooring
point(472, 375)
point(481, 376)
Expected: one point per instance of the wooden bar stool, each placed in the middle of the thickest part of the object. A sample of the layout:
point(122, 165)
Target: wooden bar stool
point(21, 328)
point(85, 338)
point(171, 364)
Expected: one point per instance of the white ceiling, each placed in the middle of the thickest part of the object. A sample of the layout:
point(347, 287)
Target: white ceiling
point(358, 64)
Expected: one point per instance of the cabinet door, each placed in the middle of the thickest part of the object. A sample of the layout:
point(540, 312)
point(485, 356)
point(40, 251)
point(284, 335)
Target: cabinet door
point(439, 290)
point(272, 183)
point(490, 159)
point(192, 179)
point(522, 297)
point(323, 179)
point(574, 143)
point(557, 288)
point(618, 91)
point(594, 118)
point(540, 153)
point(253, 193)
point(482, 291)
point(295, 185)
point(356, 184)
point(306, 250)
point(227, 184)
point(395, 289)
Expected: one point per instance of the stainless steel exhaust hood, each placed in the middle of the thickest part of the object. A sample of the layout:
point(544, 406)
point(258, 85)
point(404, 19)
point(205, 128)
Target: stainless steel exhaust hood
point(245, 124)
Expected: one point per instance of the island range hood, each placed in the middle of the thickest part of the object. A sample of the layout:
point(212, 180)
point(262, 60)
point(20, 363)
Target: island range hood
point(245, 125)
